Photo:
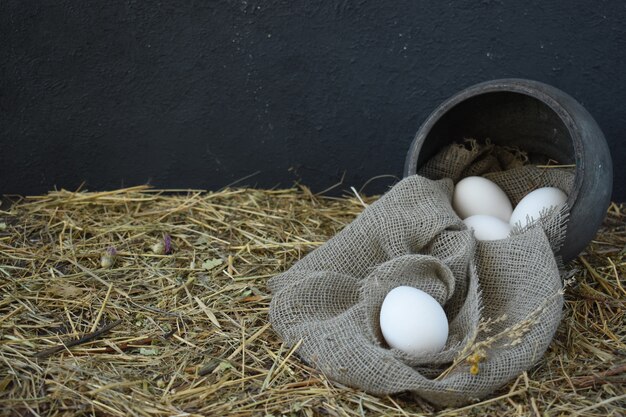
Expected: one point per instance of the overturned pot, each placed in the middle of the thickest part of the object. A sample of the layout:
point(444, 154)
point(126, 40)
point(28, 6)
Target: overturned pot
point(540, 119)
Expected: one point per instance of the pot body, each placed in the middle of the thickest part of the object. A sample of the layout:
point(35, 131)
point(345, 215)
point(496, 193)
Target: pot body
point(540, 119)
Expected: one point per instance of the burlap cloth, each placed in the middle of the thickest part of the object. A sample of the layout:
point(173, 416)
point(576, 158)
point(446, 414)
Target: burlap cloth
point(503, 299)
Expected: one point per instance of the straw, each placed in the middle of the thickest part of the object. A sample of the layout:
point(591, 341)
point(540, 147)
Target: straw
point(184, 331)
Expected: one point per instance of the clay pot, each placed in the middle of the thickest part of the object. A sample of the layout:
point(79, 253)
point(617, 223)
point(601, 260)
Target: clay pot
point(540, 119)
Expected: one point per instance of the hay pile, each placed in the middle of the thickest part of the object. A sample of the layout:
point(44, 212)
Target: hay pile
point(150, 303)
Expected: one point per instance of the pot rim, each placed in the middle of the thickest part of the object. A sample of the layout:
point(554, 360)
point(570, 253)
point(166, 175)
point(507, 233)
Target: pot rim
point(535, 89)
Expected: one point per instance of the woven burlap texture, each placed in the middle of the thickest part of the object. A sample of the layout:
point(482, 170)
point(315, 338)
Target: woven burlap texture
point(503, 299)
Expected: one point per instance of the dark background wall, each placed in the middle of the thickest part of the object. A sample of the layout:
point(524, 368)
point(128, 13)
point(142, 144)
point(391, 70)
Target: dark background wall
point(199, 94)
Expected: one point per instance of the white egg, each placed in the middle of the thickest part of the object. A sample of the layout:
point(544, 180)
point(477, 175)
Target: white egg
point(478, 195)
point(413, 321)
point(488, 227)
point(536, 202)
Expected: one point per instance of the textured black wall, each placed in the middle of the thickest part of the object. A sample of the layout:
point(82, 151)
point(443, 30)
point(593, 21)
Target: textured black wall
point(199, 94)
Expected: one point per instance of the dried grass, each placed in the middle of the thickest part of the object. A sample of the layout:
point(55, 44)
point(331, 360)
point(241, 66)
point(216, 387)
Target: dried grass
point(90, 330)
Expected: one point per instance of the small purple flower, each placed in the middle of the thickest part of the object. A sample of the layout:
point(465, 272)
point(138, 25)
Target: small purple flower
point(167, 241)
point(108, 258)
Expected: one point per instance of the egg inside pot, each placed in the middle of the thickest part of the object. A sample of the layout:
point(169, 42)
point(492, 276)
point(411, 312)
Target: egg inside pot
point(488, 227)
point(479, 196)
point(536, 203)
